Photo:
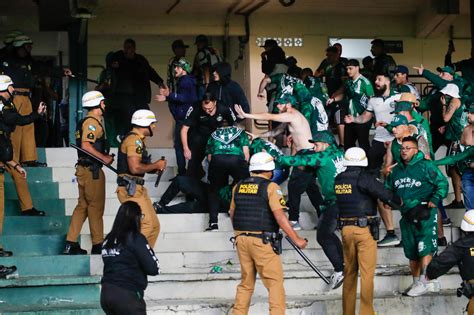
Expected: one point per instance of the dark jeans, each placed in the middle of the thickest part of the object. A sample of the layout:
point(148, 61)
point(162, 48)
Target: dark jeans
point(178, 148)
point(467, 181)
point(116, 300)
point(220, 168)
point(302, 179)
point(375, 155)
point(196, 196)
point(197, 145)
point(326, 237)
point(359, 133)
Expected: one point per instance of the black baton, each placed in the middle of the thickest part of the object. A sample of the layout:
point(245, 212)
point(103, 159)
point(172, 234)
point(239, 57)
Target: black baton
point(159, 173)
point(113, 169)
point(309, 262)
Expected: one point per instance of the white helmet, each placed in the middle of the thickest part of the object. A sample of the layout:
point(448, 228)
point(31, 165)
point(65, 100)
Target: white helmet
point(5, 82)
point(452, 90)
point(355, 157)
point(21, 40)
point(467, 224)
point(261, 161)
point(143, 118)
point(92, 99)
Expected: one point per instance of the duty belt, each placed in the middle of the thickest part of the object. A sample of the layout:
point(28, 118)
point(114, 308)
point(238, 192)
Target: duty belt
point(22, 93)
point(354, 221)
point(123, 182)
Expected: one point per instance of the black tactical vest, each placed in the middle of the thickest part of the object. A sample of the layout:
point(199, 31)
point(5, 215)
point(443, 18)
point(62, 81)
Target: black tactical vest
point(122, 162)
point(252, 211)
point(6, 147)
point(466, 265)
point(351, 201)
point(100, 144)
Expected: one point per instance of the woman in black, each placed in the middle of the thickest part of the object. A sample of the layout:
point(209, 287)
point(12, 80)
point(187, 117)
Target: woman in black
point(128, 259)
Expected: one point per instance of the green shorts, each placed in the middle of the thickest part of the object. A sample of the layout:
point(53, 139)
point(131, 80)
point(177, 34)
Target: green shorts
point(421, 242)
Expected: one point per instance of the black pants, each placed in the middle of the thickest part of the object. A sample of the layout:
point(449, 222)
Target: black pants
point(326, 237)
point(302, 179)
point(375, 155)
point(116, 300)
point(357, 132)
point(195, 191)
point(197, 145)
point(220, 168)
point(178, 148)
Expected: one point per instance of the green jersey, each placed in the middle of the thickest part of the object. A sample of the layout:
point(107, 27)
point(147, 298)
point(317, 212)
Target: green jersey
point(441, 83)
point(418, 181)
point(423, 127)
point(462, 159)
point(328, 164)
point(317, 88)
point(260, 145)
point(227, 140)
point(358, 92)
point(456, 124)
point(408, 88)
point(315, 115)
point(286, 84)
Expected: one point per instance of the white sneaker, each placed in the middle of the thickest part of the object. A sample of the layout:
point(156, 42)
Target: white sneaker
point(404, 292)
point(336, 280)
point(418, 289)
point(434, 286)
point(295, 225)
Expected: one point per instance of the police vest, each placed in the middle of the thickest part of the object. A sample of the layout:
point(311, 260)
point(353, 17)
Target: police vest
point(122, 161)
point(6, 151)
point(100, 144)
point(466, 265)
point(252, 211)
point(352, 202)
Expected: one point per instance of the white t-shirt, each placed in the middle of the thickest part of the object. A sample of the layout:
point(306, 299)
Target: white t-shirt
point(381, 108)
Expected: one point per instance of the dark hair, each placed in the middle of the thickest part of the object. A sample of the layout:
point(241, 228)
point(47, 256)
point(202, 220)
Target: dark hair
point(309, 71)
point(411, 139)
point(127, 222)
point(130, 41)
point(332, 49)
point(337, 44)
point(366, 60)
point(208, 97)
point(378, 42)
point(353, 63)
point(385, 74)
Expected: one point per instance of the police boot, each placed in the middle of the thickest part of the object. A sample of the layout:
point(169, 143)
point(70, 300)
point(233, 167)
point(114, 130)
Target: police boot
point(5, 271)
point(73, 248)
point(96, 249)
point(33, 212)
point(5, 253)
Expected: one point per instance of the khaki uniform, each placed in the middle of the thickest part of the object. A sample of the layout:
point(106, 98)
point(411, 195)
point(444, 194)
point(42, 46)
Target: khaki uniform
point(133, 145)
point(2, 202)
point(360, 252)
point(256, 257)
point(91, 201)
point(21, 185)
point(23, 138)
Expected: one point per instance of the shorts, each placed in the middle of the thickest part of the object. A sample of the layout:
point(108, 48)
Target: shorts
point(376, 154)
point(418, 243)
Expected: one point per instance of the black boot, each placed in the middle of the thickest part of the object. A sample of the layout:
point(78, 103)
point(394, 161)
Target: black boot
point(5, 253)
point(73, 248)
point(96, 249)
point(33, 213)
point(5, 271)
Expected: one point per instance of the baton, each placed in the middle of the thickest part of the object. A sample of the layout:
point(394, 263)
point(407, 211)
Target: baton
point(113, 169)
point(309, 262)
point(159, 173)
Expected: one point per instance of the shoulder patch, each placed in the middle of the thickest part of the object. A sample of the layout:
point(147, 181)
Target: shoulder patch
point(90, 136)
point(282, 202)
point(139, 143)
point(279, 192)
point(139, 150)
point(91, 128)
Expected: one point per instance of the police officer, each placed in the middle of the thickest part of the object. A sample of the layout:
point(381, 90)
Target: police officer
point(257, 214)
point(356, 193)
point(90, 136)
point(460, 253)
point(10, 119)
point(228, 154)
point(133, 162)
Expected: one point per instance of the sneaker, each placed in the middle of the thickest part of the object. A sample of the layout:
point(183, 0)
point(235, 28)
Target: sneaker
point(5, 253)
point(389, 240)
point(418, 289)
point(434, 286)
point(213, 227)
point(447, 222)
point(5, 271)
point(455, 205)
point(96, 249)
point(33, 164)
point(73, 248)
point(404, 292)
point(336, 279)
point(295, 225)
point(442, 241)
point(33, 213)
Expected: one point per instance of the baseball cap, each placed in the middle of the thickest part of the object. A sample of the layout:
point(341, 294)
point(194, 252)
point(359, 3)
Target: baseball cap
point(178, 44)
point(323, 136)
point(399, 120)
point(270, 43)
point(401, 69)
point(183, 63)
point(447, 69)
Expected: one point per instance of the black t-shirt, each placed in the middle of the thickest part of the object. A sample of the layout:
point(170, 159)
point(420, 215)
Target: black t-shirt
point(204, 124)
point(128, 266)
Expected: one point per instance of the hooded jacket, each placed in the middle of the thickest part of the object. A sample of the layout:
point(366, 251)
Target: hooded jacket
point(227, 91)
point(185, 96)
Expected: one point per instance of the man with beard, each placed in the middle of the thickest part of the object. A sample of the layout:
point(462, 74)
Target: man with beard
point(380, 107)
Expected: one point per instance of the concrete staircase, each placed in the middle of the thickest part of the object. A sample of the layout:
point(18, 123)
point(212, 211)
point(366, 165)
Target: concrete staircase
point(51, 283)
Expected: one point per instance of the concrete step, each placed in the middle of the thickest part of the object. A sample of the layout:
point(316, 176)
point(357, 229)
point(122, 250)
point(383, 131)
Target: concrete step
point(52, 207)
point(35, 174)
point(432, 304)
point(25, 225)
point(37, 190)
point(34, 244)
point(48, 266)
point(61, 309)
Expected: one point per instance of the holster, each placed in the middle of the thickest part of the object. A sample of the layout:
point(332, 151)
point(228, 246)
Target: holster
point(275, 241)
point(129, 183)
point(466, 289)
point(94, 168)
point(374, 224)
point(417, 214)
